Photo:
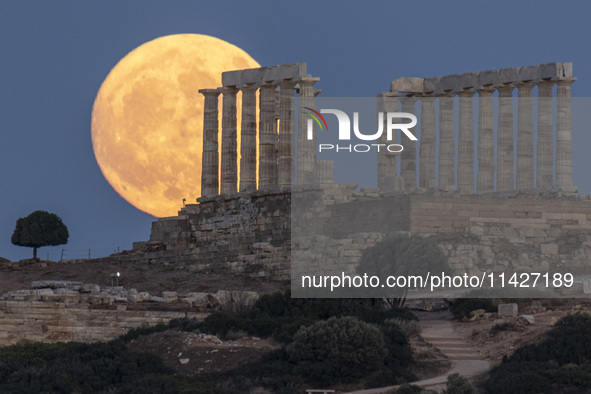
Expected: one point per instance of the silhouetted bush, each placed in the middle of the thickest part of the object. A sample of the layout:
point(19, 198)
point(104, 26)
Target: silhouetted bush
point(338, 347)
point(458, 384)
point(84, 368)
point(408, 389)
point(553, 365)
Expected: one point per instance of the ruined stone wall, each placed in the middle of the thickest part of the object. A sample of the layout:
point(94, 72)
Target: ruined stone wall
point(55, 311)
point(250, 233)
point(247, 233)
point(520, 232)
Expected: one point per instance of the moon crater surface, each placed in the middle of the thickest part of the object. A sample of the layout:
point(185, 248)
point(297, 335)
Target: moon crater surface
point(147, 119)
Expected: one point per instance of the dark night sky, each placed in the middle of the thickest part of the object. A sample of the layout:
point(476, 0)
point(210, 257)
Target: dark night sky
point(55, 55)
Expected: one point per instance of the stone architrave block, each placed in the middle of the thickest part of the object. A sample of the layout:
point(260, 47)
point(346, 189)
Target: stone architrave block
point(468, 80)
point(529, 73)
point(488, 78)
point(431, 84)
point(508, 310)
point(449, 83)
point(565, 70)
point(508, 75)
point(408, 85)
point(264, 74)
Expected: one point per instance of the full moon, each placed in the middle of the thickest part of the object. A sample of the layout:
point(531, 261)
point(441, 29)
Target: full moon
point(147, 119)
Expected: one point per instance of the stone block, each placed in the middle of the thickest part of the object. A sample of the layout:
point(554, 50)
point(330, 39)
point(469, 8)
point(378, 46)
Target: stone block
point(549, 249)
point(468, 80)
point(529, 73)
point(264, 74)
point(170, 296)
point(587, 286)
point(488, 78)
point(528, 319)
point(56, 284)
point(507, 310)
point(90, 288)
point(408, 85)
point(431, 85)
point(509, 75)
point(449, 83)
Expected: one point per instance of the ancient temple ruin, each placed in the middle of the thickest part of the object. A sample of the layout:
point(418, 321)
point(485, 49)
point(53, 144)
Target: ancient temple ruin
point(277, 134)
point(276, 131)
point(490, 209)
point(484, 84)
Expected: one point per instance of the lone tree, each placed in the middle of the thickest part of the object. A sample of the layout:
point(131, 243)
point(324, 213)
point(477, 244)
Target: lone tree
point(401, 254)
point(39, 229)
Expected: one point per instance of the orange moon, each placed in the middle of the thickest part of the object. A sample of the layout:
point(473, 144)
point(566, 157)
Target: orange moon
point(147, 119)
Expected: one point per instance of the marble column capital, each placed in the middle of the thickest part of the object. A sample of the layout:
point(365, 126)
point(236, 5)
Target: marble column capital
point(565, 81)
point(486, 91)
point(210, 92)
point(506, 90)
point(308, 81)
point(525, 87)
point(427, 97)
point(249, 87)
point(466, 93)
point(546, 83)
point(229, 90)
point(287, 84)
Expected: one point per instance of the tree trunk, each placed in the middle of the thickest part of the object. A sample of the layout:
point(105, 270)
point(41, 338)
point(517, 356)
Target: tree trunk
point(35, 252)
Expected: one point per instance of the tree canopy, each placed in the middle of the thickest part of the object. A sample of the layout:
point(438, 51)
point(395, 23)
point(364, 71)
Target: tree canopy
point(401, 254)
point(40, 229)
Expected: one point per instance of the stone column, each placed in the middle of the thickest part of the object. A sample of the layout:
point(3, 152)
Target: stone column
point(486, 154)
point(248, 143)
point(427, 174)
point(286, 146)
point(564, 146)
point(387, 102)
point(229, 178)
point(447, 146)
point(525, 137)
point(505, 138)
point(324, 172)
point(210, 159)
point(306, 157)
point(267, 137)
point(408, 166)
point(466, 143)
point(545, 151)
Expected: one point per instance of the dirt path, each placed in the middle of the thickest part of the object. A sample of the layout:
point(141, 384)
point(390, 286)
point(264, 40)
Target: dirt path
point(437, 328)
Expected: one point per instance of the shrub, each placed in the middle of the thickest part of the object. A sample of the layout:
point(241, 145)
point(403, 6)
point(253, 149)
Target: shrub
point(400, 254)
point(338, 347)
point(458, 384)
point(408, 327)
point(408, 389)
point(572, 324)
point(79, 367)
point(281, 316)
point(137, 332)
point(559, 362)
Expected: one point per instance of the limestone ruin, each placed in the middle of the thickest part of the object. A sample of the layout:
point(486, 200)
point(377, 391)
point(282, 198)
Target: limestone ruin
point(516, 222)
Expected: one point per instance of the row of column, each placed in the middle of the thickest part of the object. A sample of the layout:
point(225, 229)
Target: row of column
point(485, 179)
point(276, 138)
